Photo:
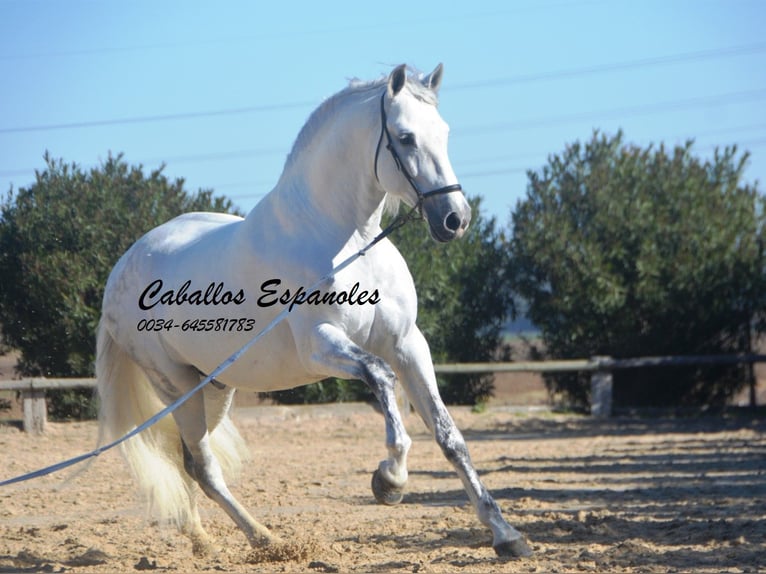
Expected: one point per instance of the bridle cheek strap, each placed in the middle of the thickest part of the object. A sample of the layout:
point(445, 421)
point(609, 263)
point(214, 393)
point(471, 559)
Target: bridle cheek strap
point(400, 166)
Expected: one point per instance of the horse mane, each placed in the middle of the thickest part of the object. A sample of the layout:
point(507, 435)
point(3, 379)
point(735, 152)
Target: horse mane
point(354, 87)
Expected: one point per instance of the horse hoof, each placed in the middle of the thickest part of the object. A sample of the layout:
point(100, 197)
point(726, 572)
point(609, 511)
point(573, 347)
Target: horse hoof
point(385, 492)
point(513, 549)
point(203, 548)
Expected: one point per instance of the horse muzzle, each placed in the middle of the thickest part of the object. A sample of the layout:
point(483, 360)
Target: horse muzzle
point(448, 216)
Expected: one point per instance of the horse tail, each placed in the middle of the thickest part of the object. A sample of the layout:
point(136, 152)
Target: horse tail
point(155, 456)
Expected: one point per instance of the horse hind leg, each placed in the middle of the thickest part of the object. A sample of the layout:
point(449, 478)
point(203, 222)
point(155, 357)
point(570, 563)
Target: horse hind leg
point(202, 543)
point(229, 447)
point(128, 397)
point(202, 465)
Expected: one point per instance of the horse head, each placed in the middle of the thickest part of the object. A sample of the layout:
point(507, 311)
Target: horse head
point(419, 171)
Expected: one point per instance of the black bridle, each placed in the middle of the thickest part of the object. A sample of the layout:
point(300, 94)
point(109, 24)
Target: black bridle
point(400, 165)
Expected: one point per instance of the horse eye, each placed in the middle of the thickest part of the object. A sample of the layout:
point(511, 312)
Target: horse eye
point(407, 139)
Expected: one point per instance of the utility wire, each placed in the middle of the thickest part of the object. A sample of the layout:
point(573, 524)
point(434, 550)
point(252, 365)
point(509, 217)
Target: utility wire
point(621, 112)
point(744, 145)
point(614, 67)
point(625, 112)
point(376, 24)
point(159, 118)
point(528, 78)
point(695, 138)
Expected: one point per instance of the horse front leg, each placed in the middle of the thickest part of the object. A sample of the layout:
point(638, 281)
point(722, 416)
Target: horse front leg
point(413, 364)
point(334, 354)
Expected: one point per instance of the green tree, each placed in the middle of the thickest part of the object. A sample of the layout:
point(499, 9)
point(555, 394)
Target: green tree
point(59, 239)
point(463, 303)
point(630, 252)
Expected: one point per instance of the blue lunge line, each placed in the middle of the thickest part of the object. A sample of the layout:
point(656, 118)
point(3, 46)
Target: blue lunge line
point(66, 463)
point(166, 411)
point(399, 221)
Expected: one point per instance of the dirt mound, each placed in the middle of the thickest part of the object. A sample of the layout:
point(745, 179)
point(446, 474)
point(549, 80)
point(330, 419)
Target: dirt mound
point(291, 551)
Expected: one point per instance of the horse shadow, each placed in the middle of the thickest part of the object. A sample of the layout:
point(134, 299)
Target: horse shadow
point(699, 498)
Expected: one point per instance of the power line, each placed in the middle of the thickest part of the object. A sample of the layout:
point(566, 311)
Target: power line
point(290, 32)
point(742, 146)
point(613, 67)
point(567, 73)
point(636, 110)
point(217, 156)
point(627, 111)
point(191, 158)
point(622, 112)
point(159, 118)
point(696, 137)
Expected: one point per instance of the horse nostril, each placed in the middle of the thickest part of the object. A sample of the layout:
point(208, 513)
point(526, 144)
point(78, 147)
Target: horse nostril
point(452, 222)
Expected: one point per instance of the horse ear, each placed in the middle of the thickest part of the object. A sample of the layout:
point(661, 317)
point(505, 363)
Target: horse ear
point(434, 79)
point(397, 79)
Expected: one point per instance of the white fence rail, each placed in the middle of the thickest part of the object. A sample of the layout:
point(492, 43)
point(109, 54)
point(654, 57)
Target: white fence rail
point(35, 410)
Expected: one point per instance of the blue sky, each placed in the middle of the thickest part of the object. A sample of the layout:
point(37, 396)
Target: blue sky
point(219, 90)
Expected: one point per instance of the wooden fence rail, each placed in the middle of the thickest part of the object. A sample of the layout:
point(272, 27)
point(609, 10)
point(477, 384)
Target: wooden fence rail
point(35, 411)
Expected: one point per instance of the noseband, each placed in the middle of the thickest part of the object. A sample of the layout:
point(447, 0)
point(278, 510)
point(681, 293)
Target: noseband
point(400, 165)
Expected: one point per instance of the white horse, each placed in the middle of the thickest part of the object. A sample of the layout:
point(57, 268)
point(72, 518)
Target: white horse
point(195, 289)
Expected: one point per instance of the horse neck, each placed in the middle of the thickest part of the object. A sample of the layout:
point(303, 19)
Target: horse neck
point(328, 185)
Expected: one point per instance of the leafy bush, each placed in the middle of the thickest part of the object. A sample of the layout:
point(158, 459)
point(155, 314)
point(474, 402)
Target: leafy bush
point(629, 252)
point(59, 239)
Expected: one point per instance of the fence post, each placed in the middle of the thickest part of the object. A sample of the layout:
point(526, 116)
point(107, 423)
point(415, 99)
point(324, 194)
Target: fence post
point(35, 410)
point(601, 389)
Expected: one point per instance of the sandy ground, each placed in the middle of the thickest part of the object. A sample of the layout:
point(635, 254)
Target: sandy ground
point(622, 495)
